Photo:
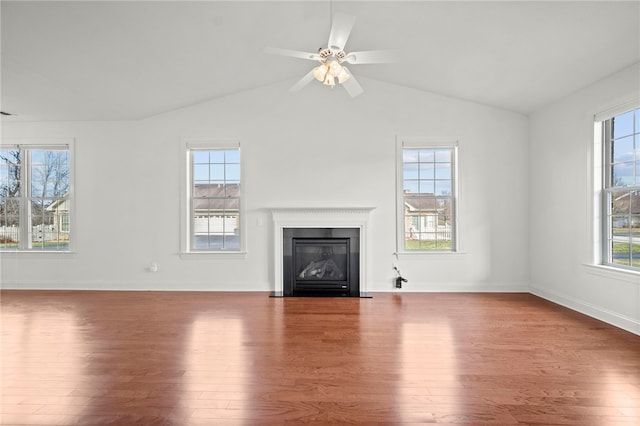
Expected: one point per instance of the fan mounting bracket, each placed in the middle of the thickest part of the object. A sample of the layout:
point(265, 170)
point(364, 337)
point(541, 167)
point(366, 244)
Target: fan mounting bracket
point(328, 53)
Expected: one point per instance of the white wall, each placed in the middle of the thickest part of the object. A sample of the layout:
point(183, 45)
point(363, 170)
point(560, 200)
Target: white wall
point(314, 148)
point(561, 199)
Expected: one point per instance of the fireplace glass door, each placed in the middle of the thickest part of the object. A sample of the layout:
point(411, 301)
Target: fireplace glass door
point(321, 260)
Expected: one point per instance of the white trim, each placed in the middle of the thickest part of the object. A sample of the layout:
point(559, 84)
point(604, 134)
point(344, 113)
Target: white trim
point(429, 253)
point(151, 285)
point(37, 143)
point(426, 142)
point(622, 321)
point(221, 254)
point(599, 167)
point(594, 211)
point(54, 144)
point(40, 254)
point(186, 146)
point(205, 143)
point(617, 107)
point(613, 273)
point(322, 217)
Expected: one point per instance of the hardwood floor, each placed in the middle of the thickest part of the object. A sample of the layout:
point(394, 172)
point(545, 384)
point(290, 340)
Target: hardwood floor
point(187, 358)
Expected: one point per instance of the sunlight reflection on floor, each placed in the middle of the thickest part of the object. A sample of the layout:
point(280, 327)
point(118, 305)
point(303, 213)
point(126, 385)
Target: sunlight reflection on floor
point(216, 367)
point(428, 359)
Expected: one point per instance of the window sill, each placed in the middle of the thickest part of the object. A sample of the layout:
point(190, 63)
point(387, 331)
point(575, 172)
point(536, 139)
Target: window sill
point(613, 273)
point(429, 253)
point(33, 253)
point(191, 255)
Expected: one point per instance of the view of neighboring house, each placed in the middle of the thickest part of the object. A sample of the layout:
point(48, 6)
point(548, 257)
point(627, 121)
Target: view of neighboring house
point(215, 209)
point(626, 210)
point(426, 217)
point(59, 210)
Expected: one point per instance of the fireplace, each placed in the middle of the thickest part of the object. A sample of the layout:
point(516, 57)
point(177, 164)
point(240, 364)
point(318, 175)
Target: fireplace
point(321, 262)
point(350, 223)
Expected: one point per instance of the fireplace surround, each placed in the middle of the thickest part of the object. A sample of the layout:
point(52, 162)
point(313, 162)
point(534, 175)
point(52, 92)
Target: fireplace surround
point(326, 248)
point(321, 262)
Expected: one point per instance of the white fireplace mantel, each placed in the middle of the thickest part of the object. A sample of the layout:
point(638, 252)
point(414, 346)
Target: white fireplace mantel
point(322, 217)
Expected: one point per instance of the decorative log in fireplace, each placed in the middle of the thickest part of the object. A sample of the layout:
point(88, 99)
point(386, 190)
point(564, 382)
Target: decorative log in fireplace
point(321, 262)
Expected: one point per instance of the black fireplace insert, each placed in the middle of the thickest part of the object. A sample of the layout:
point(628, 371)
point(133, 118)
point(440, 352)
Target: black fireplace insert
point(321, 262)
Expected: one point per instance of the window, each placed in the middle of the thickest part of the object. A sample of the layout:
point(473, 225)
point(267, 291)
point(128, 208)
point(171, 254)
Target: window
point(35, 203)
point(427, 198)
point(214, 199)
point(621, 191)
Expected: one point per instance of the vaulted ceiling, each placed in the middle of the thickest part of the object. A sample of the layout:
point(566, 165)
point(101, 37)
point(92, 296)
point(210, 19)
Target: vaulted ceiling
point(130, 60)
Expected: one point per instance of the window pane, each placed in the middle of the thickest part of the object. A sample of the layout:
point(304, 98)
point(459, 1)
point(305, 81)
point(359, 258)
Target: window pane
point(427, 171)
point(216, 156)
point(231, 240)
point(410, 155)
point(201, 172)
point(427, 187)
point(49, 173)
point(443, 156)
point(216, 172)
point(10, 169)
point(623, 149)
point(623, 174)
point(410, 171)
point(621, 253)
point(620, 202)
point(232, 191)
point(427, 156)
point(232, 156)
point(46, 231)
point(443, 171)
point(9, 223)
point(443, 187)
point(200, 157)
point(411, 187)
point(232, 172)
point(623, 125)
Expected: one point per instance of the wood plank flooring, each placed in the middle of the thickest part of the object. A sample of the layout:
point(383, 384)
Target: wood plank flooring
point(199, 358)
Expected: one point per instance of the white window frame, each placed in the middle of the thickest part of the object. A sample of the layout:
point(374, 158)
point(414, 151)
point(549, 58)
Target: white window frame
point(30, 144)
point(603, 187)
point(186, 216)
point(426, 143)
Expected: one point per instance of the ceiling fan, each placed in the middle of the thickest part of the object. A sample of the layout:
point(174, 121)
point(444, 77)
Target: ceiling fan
point(332, 58)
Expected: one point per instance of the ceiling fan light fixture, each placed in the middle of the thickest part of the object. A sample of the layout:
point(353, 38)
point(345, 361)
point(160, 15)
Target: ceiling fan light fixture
point(343, 76)
point(320, 72)
point(330, 80)
point(335, 68)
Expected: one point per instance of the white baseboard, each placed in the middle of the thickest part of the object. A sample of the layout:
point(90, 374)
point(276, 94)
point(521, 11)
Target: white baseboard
point(451, 287)
point(135, 286)
point(621, 321)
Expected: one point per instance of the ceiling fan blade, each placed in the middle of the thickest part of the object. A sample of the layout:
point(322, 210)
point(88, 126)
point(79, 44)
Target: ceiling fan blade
point(340, 30)
point(303, 82)
point(351, 85)
point(372, 57)
point(292, 53)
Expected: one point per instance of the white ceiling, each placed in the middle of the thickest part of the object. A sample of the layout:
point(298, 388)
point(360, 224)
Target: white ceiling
point(87, 60)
